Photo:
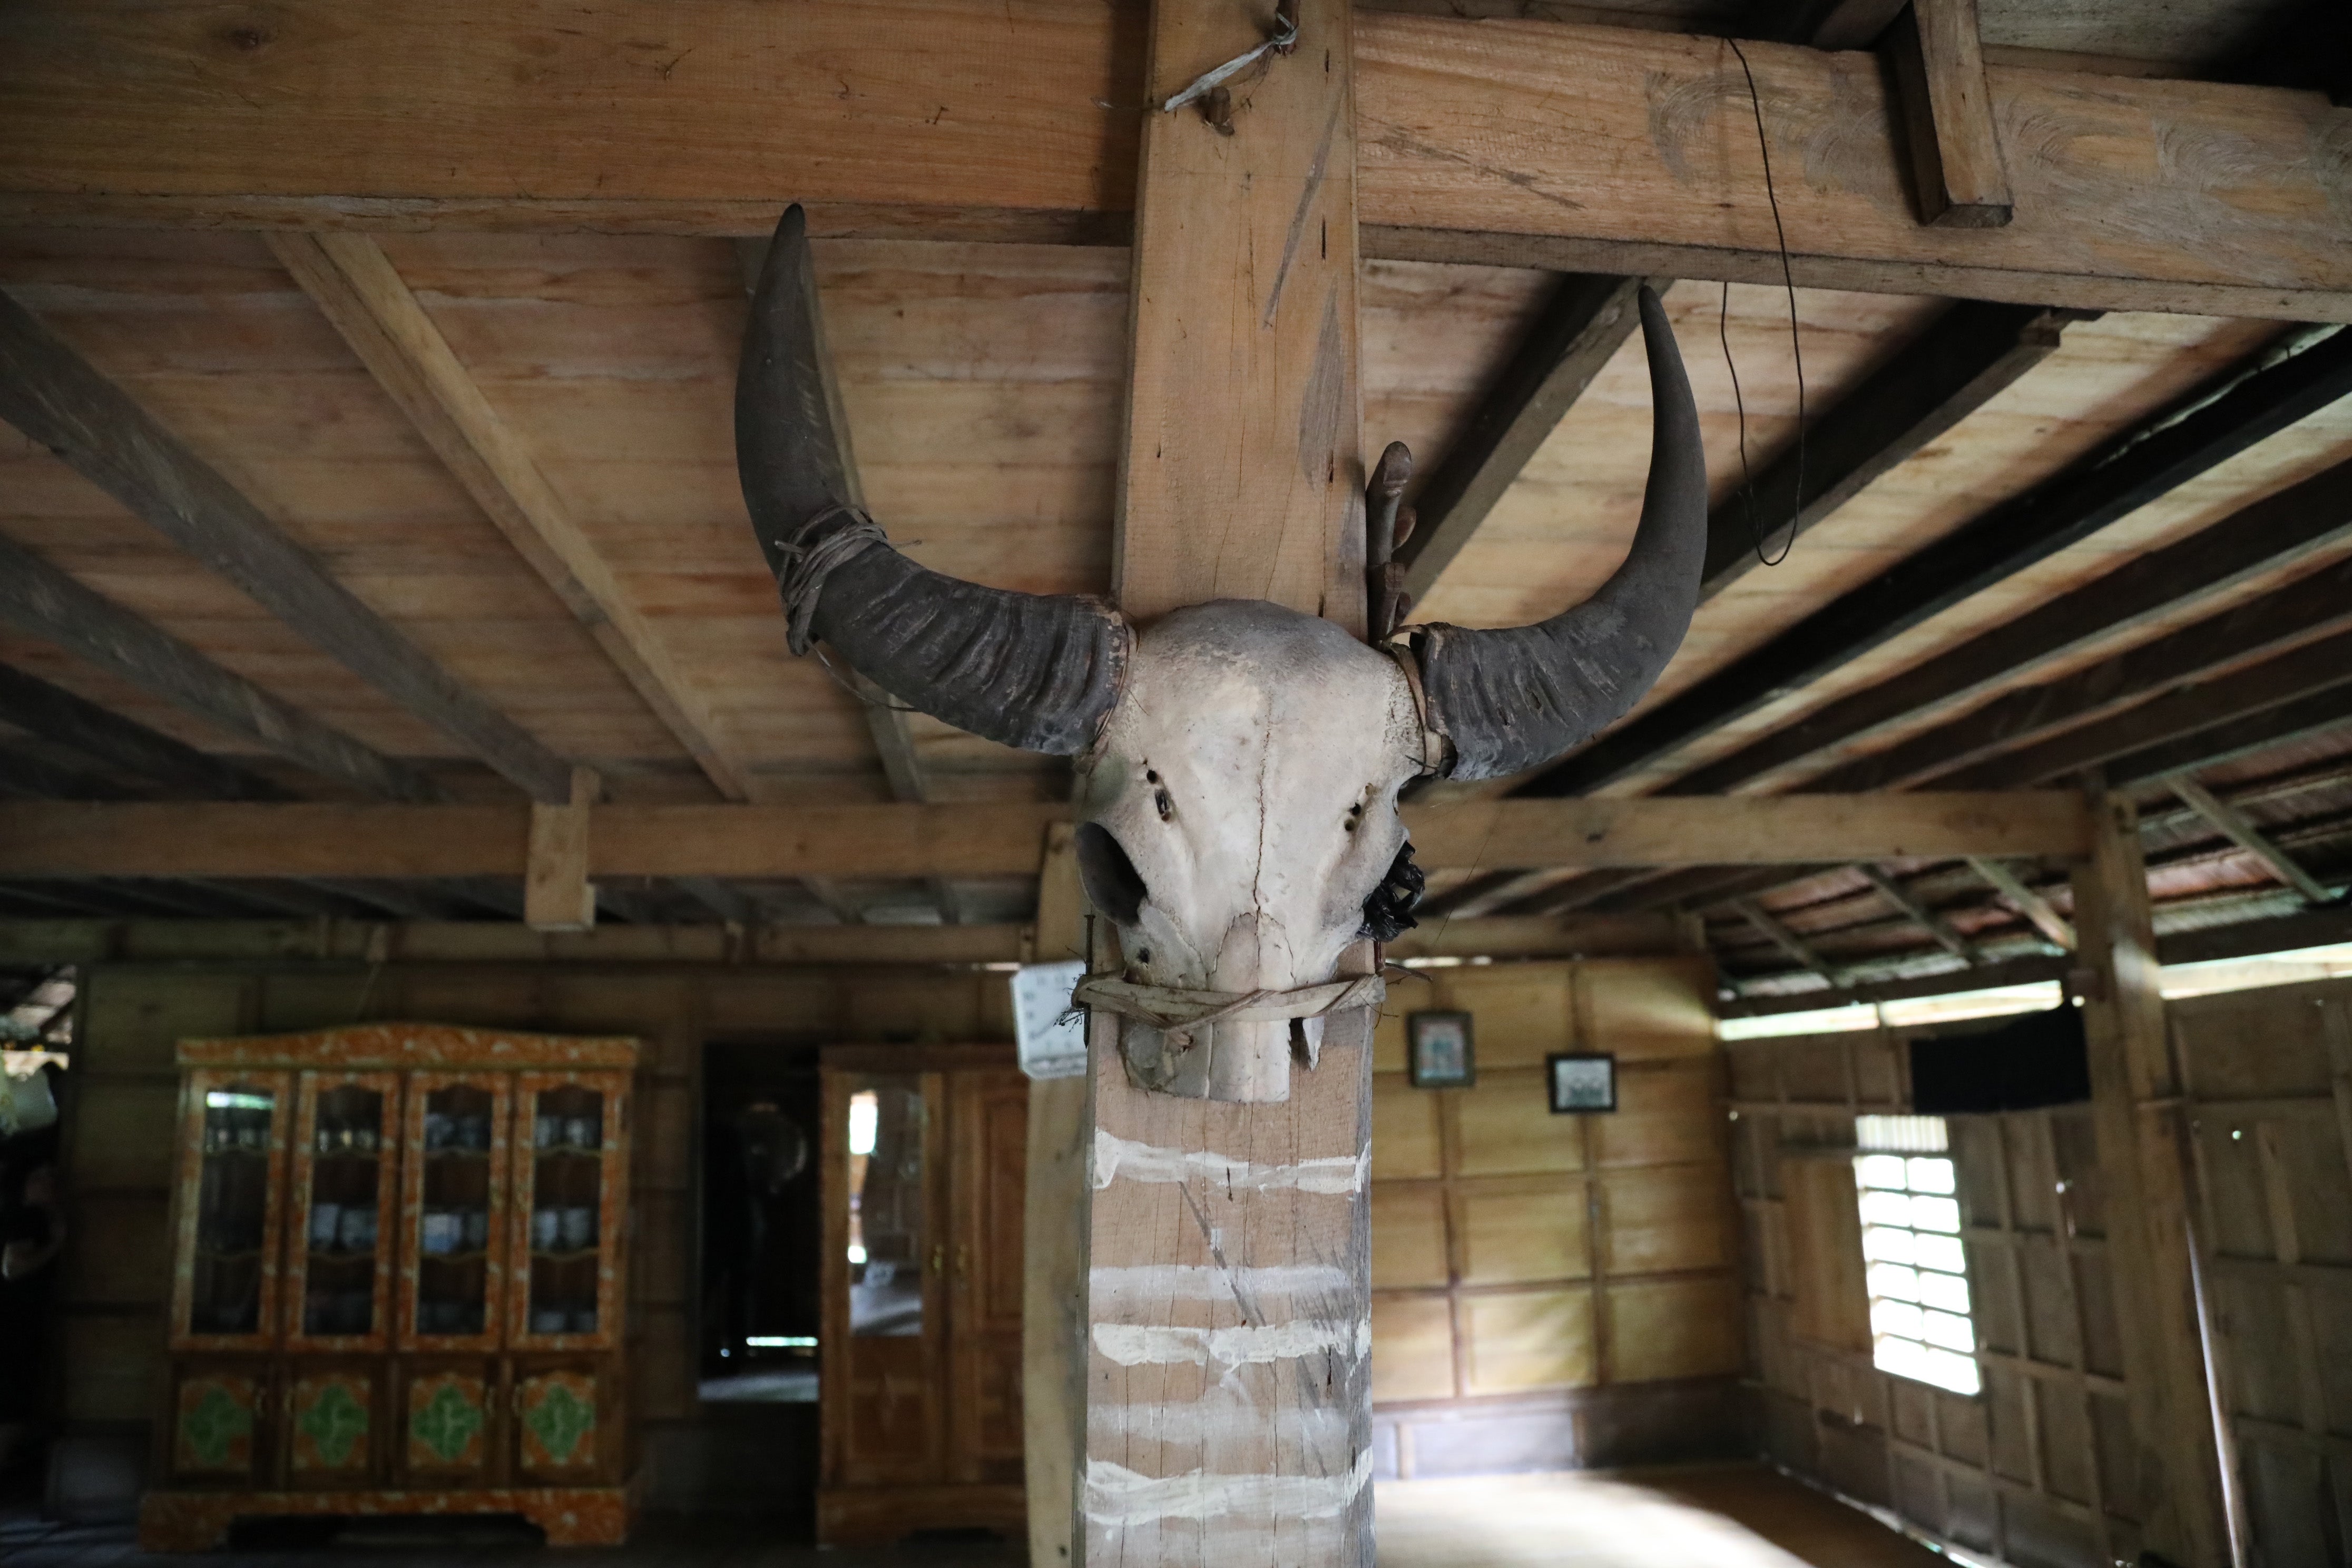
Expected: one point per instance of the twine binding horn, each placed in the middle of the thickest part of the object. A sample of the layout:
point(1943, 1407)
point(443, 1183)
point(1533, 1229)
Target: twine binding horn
point(1180, 1013)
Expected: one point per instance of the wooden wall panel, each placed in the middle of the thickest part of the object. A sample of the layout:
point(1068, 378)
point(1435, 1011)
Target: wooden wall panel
point(1667, 1220)
point(1521, 1010)
point(124, 1137)
point(1647, 1008)
point(1405, 1136)
point(1675, 1328)
point(1409, 1222)
point(1830, 1304)
point(1504, 1128)
point(1665, 1116)
point(110, 1364)
point(1522, 1341)
point(1517, 1232)
point(1413, 1347)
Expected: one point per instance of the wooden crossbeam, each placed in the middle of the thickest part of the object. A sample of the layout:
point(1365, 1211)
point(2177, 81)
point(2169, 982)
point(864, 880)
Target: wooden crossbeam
point(2027, 902)
point(58, 839)
point(2214, 422)
point(1925, 919)
point(1584, 323)
point(55, 714)
point(1510, 142)
point(53, 394)
point(1789, 942)
point(1957, 173)
point(45, 601)
point(355, 286)
point(1967, 355)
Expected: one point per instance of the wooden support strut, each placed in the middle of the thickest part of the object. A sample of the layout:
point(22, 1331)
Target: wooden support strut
point(556, 892)
point(1946, 111)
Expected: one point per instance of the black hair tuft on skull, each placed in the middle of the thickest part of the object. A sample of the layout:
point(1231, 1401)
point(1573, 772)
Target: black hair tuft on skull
point(1387, 912)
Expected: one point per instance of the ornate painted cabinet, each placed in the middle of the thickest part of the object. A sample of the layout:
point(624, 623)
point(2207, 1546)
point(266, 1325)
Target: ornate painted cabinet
point(924, 1166)
point(399, 1282)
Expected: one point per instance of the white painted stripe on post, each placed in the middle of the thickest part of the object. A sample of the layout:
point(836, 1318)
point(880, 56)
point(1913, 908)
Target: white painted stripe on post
point(1117, 1496)
point(1135, 1283)
point(1147, 1344)
point(1332, 1175)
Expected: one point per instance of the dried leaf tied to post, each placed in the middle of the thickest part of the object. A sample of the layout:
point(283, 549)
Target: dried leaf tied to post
point(1239, 761)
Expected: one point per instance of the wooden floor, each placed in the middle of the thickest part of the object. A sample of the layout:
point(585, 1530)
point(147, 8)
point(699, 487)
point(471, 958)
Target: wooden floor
point(1740, 1515)
point(1734, 1516)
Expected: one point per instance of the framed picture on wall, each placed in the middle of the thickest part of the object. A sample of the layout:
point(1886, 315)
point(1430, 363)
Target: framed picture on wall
point(1438, 1050)
point(1580, 1081)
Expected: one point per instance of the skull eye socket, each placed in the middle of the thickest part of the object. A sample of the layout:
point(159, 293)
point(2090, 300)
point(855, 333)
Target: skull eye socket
point(1113, 884)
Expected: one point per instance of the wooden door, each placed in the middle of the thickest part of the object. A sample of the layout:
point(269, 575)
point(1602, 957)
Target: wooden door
point(882, 1357)
point(229, 1208)
point(987, 1129)
point(345, 1183)
point(454, 1231)
point(571, 1212)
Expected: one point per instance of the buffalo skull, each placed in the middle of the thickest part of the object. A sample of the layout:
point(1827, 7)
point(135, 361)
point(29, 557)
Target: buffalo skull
point(1239, 762)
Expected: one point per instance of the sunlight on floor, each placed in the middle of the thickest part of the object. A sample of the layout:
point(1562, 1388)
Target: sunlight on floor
point(1741, 1517)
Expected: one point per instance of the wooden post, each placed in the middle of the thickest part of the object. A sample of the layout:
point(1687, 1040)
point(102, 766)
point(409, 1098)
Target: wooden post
point(1228, 1411)
point(556, 892)
point(1947, 110)
point(2142, 1133)
point(1053, 1290)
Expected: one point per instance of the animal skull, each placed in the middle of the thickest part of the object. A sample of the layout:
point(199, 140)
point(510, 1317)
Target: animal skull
point(1239, 762)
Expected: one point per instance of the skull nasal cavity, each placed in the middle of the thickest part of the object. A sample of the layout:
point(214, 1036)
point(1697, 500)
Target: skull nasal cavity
point(1113, 884)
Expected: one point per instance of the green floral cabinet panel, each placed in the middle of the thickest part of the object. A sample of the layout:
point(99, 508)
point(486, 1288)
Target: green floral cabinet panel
point(448, 1423)
point(331, 1420)
point(214, 1421)
point(557, 1417)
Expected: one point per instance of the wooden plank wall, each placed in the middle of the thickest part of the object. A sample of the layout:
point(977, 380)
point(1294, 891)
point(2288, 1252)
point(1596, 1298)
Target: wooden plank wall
point(121, 1133)
point(1552, 1291)
point(2269, 1074)
point(2038, 1468)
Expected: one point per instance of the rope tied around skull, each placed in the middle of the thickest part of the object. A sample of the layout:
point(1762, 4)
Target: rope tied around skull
point(1181, 1012)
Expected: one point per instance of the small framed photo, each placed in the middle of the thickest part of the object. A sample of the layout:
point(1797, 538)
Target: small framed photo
point(1580, 1082)
point(1438, 1052)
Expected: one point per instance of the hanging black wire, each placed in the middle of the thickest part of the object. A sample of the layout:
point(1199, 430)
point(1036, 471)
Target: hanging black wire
point(1756, 537)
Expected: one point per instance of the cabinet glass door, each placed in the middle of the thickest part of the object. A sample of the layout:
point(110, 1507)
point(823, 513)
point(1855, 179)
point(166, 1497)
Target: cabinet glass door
point(453, 1210)
point(339, 1277)
point(571, 1158)
point(231, 1161)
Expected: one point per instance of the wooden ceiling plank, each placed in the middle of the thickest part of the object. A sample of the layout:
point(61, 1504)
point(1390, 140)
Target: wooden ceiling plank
point(54, 396)
point(2236, 826)
point(2314, 606)
point(1966, 357)
point(1583, 324)
point(43, 601)
point(2327, 709)
point(2215, 422)
point(1957, 174)
point(363, 297)
point(1510, 142)
point(60, 716)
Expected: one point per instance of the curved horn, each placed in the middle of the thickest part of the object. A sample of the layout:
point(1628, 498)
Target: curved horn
point(1513, 699)
point(1033, 670)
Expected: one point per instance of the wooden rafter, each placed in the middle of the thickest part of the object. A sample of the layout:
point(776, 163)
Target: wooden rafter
point(44, 601)
point(1966, 356)
point(1789, 942)
point(1581, 328)
point(1956, 172)
point(60, 716)
point(2316, 605)
point(2027, 902)
point(2192, 435)
point(53, 394)
point(2240, 829)
point(355, 286)
point(1927, 920)
point(2260, 537)
point(1523, 143)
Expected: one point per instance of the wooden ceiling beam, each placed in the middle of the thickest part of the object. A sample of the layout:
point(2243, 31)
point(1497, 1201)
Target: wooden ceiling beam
point(1789, 943)
point(1582, 326)
point(44, 601)
point(60, 716)
point(362, 296)
point(1937, 927)
point(54, 396)
point(317, 839)
point(1523, 143)
point(2194, 434)
point(1966, 356)
point(2317, 605)
point(2025, 900)
point(2240, 829)
point(26, 777)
